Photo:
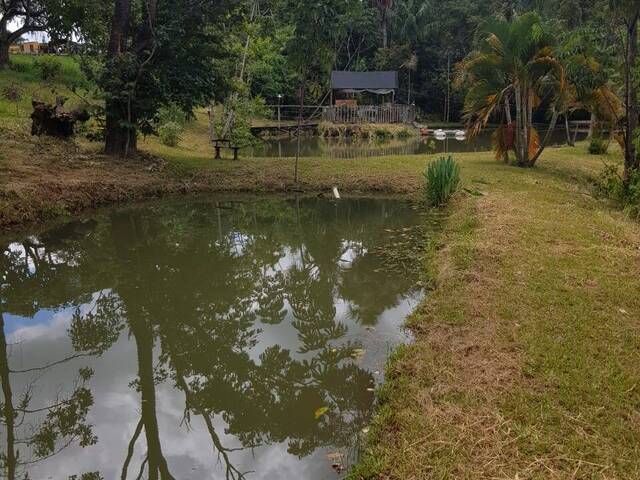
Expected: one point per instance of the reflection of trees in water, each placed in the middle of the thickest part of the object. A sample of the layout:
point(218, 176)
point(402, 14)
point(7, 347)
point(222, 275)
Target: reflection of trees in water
point(35, 431)
point(171, 277)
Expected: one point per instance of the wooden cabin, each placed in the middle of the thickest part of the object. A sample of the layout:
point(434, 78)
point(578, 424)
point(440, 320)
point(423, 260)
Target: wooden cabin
point(366, 97)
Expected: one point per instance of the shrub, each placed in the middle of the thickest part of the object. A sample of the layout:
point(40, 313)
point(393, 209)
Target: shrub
point(13, 94)
point(48, 67)
point(443, 179)
point(404, 134)
point(172, 113)
point(170, 134)
point(611, 185)
point(632, 196)
point(382, 134)
point(18, 65)
point(598, 146)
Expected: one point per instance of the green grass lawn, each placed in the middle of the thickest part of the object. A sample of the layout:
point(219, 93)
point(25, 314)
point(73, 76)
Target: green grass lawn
point(525, 363)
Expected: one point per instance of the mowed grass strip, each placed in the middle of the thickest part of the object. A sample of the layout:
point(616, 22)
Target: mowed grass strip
point(525, 363)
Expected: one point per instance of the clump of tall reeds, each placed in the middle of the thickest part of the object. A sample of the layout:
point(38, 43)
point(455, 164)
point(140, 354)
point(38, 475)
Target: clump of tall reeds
point(442, 180)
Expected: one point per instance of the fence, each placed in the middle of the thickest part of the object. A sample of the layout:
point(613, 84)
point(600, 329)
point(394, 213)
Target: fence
point(370, 114)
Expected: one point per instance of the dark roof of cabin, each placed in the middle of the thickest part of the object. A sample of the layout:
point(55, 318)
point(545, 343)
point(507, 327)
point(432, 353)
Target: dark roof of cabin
point(364, 80)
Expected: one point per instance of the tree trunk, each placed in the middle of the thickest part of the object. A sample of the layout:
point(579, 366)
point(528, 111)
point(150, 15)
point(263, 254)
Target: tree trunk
point(508, 121)
point(570, 141)
point(4, 52)
point(630, 154)
point(543, 143)
point(507, 109)
point(385, 32)
point(8, 410)
point(518, 129)
point(157, 463)
point(119, 28)
point(526, 126)
point(4, 45)
point(592, 126)
point(120, 140)
point(300, 113)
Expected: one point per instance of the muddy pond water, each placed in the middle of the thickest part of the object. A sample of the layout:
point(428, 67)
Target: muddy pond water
point(202, 339)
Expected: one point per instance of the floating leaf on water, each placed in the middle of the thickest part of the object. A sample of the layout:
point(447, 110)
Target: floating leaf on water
point(320, 412)
point(335, 456)
point(358, 353)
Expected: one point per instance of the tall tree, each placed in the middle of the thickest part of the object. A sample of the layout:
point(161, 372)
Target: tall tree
point(627, 12)
point(158, 52)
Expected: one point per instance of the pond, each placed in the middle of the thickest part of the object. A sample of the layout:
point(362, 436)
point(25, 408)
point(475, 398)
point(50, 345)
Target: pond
point(204, 338)
point(357, 148)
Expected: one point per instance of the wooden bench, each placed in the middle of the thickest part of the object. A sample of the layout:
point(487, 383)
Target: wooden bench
point(219, 144)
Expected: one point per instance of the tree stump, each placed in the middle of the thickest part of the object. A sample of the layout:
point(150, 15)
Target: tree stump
point(53, 120)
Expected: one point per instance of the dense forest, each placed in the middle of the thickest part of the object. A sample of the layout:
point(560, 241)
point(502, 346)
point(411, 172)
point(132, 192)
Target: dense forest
point(259, 42)
point(146, 55)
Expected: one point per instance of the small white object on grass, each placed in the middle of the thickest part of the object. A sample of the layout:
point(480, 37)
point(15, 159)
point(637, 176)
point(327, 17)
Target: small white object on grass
point(336, 193)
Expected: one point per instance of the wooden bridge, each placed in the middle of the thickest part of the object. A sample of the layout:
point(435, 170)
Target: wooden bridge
point(288, 129)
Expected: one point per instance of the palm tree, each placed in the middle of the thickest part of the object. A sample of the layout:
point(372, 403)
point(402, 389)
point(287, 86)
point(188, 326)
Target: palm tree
point(589, 87)
point(514, 62)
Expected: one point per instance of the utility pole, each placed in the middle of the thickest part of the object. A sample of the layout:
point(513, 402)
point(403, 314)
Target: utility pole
point(279, 104)
point(448, 105)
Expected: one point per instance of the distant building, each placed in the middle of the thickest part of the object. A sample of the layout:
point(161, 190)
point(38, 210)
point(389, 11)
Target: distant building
point(366, 97)
point(29, 48)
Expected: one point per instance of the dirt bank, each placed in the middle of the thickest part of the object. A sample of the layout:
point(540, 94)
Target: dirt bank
point(43, 178)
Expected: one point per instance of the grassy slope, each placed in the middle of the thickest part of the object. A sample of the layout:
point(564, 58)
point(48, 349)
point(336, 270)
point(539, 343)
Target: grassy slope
point(526, 357)
point(26, 76)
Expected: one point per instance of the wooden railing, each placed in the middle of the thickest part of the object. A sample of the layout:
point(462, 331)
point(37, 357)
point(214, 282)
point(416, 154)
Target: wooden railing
point(370, 114)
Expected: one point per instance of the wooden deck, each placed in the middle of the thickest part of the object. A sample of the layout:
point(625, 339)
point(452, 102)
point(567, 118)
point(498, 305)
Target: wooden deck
point(370, 114)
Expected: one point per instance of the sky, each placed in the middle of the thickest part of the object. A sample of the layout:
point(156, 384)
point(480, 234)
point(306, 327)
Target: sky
point(39, 36)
